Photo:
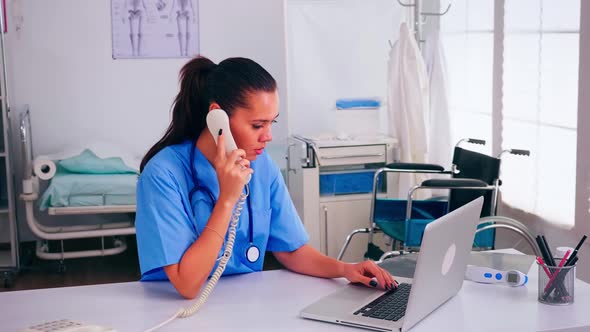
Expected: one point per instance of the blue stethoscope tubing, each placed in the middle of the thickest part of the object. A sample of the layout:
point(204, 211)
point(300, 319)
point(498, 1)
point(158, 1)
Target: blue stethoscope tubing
point(252, 252)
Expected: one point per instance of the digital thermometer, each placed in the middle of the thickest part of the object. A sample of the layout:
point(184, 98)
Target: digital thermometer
point(491, 276)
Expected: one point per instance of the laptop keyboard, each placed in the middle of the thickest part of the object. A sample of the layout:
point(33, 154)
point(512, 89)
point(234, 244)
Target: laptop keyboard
point(389, 306)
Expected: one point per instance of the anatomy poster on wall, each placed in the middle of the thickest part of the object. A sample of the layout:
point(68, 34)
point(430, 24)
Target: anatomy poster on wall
point(155, 28)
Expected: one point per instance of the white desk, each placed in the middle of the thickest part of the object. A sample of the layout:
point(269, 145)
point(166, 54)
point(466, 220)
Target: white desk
point(271, 301)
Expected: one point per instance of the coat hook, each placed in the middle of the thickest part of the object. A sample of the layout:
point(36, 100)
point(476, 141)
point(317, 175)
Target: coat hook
point(436, 14)
point(406, 4)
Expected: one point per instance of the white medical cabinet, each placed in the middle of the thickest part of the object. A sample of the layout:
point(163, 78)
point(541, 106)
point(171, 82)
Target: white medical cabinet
point(330, 182)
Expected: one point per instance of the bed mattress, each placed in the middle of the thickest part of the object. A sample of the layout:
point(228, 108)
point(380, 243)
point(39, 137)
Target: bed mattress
point(70, 189)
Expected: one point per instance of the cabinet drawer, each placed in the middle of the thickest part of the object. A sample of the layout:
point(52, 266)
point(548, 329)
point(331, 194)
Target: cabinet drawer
point(351, 155)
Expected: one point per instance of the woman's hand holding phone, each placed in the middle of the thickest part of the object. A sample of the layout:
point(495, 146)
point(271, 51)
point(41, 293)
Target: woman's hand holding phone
point(233, 171)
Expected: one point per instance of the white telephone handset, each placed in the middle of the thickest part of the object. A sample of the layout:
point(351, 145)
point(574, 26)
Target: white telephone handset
point(216, 119)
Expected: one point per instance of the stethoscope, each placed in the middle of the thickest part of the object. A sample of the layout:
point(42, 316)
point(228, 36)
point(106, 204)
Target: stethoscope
point(252, 252)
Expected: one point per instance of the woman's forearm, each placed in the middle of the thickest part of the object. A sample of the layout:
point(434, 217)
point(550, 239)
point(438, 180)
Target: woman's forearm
point(196, 263)
point(307, 260)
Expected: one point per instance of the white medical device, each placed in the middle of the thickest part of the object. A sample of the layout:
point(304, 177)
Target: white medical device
point(488, 275)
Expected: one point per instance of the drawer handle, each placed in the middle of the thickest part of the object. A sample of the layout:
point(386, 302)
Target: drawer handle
point(353, 156)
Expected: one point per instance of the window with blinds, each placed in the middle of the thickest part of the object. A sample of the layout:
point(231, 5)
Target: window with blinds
point(540, 106)
point(467, 33)
point(539, 69)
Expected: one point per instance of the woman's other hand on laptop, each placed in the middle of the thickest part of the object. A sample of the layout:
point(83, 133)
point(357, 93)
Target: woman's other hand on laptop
point(369, 274)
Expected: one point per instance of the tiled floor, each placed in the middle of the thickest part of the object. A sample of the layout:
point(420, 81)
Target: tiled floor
point(36, 273)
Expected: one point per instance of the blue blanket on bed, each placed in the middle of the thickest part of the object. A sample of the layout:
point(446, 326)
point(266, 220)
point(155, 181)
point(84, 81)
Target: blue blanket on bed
point(69, 189)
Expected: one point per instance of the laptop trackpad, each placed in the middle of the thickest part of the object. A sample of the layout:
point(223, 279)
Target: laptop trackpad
point(345, 300)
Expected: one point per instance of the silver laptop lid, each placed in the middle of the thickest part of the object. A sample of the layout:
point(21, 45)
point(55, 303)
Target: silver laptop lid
point(442, 261)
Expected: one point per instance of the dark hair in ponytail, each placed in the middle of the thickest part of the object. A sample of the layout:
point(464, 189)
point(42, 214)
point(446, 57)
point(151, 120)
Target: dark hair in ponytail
point(203, 82)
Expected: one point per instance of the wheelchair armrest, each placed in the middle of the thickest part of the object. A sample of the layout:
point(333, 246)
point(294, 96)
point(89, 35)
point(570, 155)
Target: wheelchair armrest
point(415, 166)
point(453, 183)
point(510, 224)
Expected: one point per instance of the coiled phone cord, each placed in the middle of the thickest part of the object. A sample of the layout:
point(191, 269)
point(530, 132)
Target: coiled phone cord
point(186, 312)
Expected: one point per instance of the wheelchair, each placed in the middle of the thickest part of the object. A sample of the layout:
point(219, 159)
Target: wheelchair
point(472, 174)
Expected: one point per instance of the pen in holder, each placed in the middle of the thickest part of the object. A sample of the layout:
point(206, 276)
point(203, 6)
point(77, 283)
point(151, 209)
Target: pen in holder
point(556, 283)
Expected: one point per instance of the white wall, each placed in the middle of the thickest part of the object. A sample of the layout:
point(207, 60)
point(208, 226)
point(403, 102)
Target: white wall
point(60, 64)
point(337, 50)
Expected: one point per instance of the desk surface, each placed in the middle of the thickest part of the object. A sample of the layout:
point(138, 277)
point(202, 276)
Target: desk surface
point(271, 301)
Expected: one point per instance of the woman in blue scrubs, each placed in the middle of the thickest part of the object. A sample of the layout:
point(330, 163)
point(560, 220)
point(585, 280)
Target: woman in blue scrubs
point(188, 187)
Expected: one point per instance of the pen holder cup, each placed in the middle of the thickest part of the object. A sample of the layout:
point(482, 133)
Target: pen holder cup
point(556, 284)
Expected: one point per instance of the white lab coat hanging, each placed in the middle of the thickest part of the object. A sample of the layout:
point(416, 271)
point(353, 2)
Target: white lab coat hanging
point(408, 105)
point(440, 146)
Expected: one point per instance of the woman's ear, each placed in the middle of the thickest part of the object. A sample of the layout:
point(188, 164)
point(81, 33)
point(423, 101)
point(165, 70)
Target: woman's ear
point(213, 106)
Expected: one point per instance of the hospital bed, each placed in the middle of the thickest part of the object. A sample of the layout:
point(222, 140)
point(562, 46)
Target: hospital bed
point(70, 194)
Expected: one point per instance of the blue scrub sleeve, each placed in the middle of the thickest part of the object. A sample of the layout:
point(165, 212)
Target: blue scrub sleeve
point(164, 228)
point(286, 229)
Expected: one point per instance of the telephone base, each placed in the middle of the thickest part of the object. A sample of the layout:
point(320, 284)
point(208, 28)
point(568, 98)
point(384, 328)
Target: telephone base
point(66, 325)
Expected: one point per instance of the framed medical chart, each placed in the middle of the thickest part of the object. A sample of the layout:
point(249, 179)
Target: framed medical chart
point(155, 28)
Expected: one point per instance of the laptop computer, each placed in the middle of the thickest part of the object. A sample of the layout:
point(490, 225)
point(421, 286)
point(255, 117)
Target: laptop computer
point(444, 255)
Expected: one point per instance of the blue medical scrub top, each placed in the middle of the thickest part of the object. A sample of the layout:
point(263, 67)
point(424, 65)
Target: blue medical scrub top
point(167, 224)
